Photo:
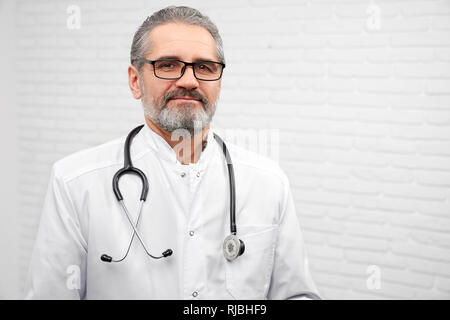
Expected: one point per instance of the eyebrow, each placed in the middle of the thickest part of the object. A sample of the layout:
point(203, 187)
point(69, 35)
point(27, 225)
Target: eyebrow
point(178, 58)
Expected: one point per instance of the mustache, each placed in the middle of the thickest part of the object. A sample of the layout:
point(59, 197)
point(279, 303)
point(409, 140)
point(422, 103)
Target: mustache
point(183, 92)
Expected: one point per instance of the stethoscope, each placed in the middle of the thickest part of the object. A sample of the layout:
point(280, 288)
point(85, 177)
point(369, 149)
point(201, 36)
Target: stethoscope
point(232, 246)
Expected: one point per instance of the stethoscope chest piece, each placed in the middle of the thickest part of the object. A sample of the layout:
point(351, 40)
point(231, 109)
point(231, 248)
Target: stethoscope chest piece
point(233, 247)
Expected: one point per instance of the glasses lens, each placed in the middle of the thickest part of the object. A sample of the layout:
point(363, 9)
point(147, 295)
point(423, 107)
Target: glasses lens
point(171, 69)
point(207, 70)
point(168, 68)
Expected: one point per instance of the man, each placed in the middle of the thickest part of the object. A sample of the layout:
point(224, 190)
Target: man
point(90, 247)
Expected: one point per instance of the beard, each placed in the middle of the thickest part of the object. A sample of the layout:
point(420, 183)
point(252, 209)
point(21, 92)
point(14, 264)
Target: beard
point(187, 118)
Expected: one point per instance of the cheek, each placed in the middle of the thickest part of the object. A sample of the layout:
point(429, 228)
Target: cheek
point(156, 89)
point(212, 92)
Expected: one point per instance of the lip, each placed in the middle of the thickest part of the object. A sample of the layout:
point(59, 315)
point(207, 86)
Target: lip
point(185, 98)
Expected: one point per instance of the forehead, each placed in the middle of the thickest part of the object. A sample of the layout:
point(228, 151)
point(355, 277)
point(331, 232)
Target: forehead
point(187, 42)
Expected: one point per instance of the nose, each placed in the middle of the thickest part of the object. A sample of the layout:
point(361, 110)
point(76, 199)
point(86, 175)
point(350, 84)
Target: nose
point(188, 80)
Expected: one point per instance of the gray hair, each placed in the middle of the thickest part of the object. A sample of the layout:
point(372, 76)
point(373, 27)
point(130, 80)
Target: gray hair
point(141, 42)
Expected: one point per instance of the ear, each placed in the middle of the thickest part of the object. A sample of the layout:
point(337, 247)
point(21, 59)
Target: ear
point(133, 82)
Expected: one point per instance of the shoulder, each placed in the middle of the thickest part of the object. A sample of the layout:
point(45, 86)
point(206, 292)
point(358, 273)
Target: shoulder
point(262, 184)
point(89, 160)
point(257, 166)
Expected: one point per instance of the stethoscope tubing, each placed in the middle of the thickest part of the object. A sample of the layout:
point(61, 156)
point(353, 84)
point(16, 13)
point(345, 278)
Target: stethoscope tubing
point(135, 231)
point(231, 184)
point(129, 168)
point(141, 203)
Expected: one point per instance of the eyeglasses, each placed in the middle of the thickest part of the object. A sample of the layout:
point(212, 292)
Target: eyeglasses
point(172, 69)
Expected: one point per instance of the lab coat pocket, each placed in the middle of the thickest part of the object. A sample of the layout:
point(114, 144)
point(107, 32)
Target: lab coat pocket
point(248, 277)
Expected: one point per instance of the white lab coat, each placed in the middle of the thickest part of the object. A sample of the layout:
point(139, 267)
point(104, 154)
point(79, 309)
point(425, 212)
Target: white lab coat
point(187, 210)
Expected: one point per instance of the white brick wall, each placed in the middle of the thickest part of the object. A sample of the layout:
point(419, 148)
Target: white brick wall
point(363, 116)
point(9, 276)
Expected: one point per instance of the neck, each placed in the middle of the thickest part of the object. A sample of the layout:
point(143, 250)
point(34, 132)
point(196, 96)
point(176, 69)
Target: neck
point(188, 149)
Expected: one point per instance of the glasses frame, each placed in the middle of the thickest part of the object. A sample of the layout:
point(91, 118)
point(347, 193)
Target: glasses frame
point(186, 64)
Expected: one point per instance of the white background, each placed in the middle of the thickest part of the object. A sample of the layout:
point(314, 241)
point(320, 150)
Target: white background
point(361, 101)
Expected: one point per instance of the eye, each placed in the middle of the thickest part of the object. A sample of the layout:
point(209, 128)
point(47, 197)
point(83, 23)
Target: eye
point(166, 65)
point(206, 67)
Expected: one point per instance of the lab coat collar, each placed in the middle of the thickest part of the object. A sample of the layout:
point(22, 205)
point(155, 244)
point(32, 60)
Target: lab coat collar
point(166, 153)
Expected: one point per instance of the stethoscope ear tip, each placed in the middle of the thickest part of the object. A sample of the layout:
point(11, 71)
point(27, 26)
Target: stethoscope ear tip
point(167, 253)
point(106, 258)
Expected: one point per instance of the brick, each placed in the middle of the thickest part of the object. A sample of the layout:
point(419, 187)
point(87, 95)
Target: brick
point(438, 118)
point(433, 178)
point(402, 54)
point(316, 140)
point(354, 157)
point(442, 54)
point(339, 27)
point(325, 252)
point(384, 145)
point(119, 5)
point(312, 237)
point(421, 222)
point(435, 148)
point(430, 252)
point(298, 69)
point(337, 267)
point(426, 102)
point(435, 86)
point(206, 6)
point(306, 182)
point(440, 22)
point(405, 25)
point(433, 162)
point(351, 186)
point(351, 10)
point(392, 291)
point(270, 3)
point(443, 284)
point(369, 216)
point(261, 14)
point(319, 224)
point(359, 100)
point(372, 231)
point(426, 8)
point(329, 198)
point(310, 12)
point(380, 259)
point(424, 39)
point(391, 175)
point(298, 41)
point(391, 86)
point(300, 98)
point(416, 192)
point(428, 266)
point(388, 204)
point(363, 41)
point(333, 280)
point(360, 243)
point(321, 170)
point(330, 84)
point(361, 70)
point(334, 55)
point(430, 238)
point(422, 70)
point(330, 293)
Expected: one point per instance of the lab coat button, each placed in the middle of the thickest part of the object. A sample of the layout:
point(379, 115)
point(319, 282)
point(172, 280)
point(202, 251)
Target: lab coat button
point(195, 294)
point(191, 233)
point(198, 174)
point(183, 174)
